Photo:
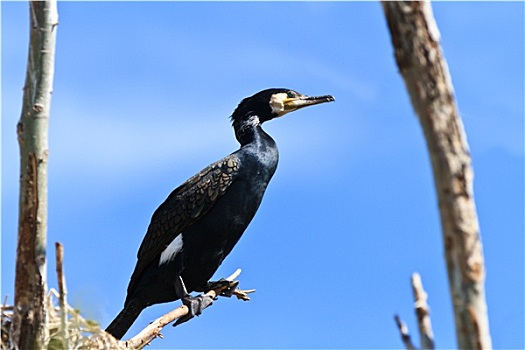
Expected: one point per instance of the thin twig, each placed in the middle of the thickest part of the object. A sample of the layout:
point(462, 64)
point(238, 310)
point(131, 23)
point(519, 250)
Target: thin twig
point(422, 312)
point(62, 291)
point(5, 323)
point(405, 336)
point(153, 330)
point(5, 308)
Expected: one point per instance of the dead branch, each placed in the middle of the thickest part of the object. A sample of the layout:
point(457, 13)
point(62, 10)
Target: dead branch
point(418, 53)
point(422, 313)
point(62, 291)
point(153, 330)
point(405, 336)
point(423, 318)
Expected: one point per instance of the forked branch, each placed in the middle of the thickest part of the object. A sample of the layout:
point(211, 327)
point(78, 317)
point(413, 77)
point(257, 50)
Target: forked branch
point(423, 318)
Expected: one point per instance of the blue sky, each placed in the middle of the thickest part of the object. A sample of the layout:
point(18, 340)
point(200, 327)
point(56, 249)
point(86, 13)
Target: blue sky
point(142, 96)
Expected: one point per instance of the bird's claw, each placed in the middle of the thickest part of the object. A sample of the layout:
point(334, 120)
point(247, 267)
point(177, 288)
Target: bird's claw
point(195, 306)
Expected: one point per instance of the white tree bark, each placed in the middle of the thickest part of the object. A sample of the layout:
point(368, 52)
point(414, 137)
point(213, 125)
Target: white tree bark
point(415, 38)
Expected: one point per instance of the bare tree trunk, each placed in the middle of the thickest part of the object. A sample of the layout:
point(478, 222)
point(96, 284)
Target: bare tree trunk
point(415, 38)
point(29, 319)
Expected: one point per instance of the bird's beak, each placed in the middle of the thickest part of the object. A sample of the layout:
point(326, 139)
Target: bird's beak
point(295, 103)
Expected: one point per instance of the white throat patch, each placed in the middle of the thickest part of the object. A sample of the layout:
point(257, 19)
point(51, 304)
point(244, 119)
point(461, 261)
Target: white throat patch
point(172, 250)
point(253, 120)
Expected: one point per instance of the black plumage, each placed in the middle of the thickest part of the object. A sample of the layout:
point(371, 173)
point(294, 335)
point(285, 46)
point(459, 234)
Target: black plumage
point(199, 223)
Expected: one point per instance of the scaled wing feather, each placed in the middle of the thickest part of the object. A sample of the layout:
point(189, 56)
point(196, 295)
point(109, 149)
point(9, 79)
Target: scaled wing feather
point(184, 206)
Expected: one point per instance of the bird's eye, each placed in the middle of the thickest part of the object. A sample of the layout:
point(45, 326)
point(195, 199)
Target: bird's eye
point(290, 94)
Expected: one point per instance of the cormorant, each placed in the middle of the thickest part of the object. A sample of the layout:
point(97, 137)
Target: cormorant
point(199, 223)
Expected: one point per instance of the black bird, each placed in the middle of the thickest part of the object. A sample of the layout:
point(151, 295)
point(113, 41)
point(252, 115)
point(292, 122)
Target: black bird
point(200, 222)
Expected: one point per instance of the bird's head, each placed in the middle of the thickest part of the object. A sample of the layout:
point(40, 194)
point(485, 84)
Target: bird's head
point(273, 103)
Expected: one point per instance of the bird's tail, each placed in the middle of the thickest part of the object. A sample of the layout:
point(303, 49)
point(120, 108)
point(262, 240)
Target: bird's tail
point(124, 319)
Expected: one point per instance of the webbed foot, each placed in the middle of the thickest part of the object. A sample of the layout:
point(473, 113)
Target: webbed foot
point(195, 304)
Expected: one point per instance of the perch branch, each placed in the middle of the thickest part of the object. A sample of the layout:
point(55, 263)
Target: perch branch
point(153, 330)
point(416, 40)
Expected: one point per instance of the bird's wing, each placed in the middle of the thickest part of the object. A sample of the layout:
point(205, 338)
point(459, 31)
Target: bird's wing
point(183, 207)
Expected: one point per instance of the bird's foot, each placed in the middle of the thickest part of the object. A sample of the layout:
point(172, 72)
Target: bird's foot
point(195, 306)
point(227, 287)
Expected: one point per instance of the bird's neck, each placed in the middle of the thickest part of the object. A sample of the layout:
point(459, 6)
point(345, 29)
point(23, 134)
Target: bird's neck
point(248, 130)
point(258, 149)
point(255, 141)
